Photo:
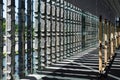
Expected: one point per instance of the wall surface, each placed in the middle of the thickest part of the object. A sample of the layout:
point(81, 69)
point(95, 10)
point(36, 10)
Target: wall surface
point(96, 7)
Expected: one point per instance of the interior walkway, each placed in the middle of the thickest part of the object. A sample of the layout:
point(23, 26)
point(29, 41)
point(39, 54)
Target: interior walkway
point(45, 34)
point(83, 66)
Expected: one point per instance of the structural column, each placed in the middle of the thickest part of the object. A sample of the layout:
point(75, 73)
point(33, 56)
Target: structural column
point(119, 34)
point(100, 44)
point(29, 37)
point(21, 37)
point(109, 42)
point(111, 39)
point(116, 37)
point(105, 42)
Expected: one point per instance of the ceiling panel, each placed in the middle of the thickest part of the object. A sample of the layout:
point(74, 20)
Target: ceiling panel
point(114, 5)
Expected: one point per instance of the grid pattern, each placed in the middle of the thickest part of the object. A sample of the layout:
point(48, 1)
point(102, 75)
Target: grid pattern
point(48, 31)
point(63, 29)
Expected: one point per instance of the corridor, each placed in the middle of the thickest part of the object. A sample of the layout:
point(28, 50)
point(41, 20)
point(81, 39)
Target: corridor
point(59, 39)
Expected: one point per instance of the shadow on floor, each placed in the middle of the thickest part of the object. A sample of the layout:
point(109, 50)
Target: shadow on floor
point(81, 68)
point(75, 68)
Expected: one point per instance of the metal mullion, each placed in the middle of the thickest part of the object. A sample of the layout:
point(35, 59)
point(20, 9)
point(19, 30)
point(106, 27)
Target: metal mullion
point(40, 37)
point(42, 41)
point(70, 28)
point(10, 41)
point(90, 26)
point(1, 39)
point(94, 30)
point(48, 32)
point(53, 31)
point(91, 31)
point(60, 30)
point(21, 38)
point(93, 27)
point(65, 12)
point(69, 54)
point(37, 35)
point(67, 42)
point(70, 50)
point(89, 41)
point(88, 34)
point(64, 29)
point(83, 30)
point(88, 31)
point(29, 37)
point(72, 31)
point(87, 22)
point(45, 38)
point(70, 37)
point(96, 24)
point(72, 12)
point(56, 31)
point(92, 35)
point(78, 31)
point(51, 37)
point(75, 31)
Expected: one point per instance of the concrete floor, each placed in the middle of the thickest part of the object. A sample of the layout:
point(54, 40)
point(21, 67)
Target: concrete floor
point(83, 66)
